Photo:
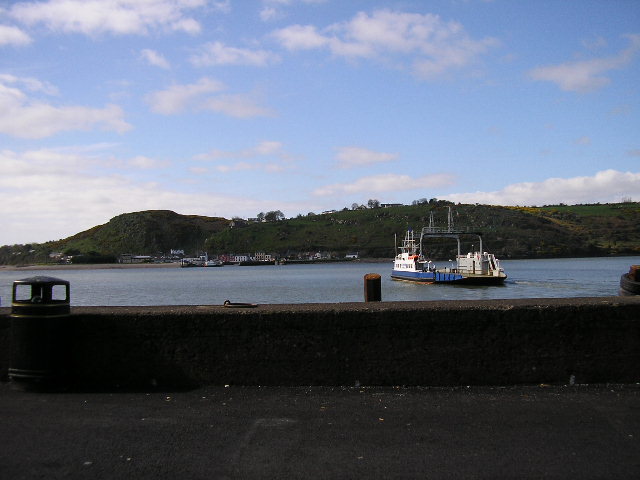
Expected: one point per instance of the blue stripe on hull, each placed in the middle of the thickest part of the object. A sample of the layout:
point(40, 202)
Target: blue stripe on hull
point(448, 277)
point(437, 277)
point(413, 276)
point(445, 277)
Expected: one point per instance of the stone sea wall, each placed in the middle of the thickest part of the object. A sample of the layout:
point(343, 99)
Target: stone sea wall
point(493, 342)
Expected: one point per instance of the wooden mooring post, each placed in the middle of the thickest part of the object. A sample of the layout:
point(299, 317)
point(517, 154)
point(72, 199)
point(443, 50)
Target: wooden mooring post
point(372, 287)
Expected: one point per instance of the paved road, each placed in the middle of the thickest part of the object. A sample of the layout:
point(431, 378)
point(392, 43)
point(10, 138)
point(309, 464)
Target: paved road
point(583, 432)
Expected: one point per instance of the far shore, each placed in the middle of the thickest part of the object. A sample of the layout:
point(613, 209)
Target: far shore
point(106, 266)
point(87, 266)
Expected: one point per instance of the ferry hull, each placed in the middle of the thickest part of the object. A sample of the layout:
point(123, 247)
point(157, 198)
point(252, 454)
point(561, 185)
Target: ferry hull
point(480, 280)
point(420, 277)
point(447, 277)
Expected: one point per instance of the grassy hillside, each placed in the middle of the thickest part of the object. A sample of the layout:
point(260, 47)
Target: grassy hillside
point(509, 232)
point(148, 232)
point(612, 227)
point(144, 233)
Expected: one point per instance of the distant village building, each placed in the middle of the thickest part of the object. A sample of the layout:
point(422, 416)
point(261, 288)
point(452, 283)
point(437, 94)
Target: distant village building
point(238, 222)
point(59, 257)
point(352, 255)
point(177, 252)
point(387, 205)
point(129, 258)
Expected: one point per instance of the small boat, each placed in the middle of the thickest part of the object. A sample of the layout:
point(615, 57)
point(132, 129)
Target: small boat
point(189, 262)
point(473, 268)
point(201, 261)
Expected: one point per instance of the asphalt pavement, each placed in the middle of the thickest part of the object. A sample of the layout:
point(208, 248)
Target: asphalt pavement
point(583, 432)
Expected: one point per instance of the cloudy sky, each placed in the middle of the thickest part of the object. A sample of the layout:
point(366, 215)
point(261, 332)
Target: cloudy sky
point(235, 107)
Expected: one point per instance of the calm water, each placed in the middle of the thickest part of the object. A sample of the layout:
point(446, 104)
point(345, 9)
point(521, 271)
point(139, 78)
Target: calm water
point(583, 277)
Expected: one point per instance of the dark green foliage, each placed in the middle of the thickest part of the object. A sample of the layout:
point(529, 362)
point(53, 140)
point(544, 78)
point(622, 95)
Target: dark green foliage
point(94, 258)
point(509, 232)
point(23, 254)
point(150, 232)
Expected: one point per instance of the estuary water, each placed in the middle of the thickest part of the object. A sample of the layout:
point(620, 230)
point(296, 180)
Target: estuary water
point(322, 283)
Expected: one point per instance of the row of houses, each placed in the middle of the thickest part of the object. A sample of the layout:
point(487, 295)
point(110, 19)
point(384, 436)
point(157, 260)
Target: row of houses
point(179, 256)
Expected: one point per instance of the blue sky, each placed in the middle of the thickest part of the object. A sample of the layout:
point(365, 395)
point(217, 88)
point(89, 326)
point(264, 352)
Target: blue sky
point(235, 107)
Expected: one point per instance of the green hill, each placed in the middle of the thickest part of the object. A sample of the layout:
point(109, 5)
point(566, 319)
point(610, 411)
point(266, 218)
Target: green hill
point(509, 232)
point(148, 232)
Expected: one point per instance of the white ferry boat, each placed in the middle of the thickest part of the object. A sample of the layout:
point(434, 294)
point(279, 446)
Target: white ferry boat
point(478, 267)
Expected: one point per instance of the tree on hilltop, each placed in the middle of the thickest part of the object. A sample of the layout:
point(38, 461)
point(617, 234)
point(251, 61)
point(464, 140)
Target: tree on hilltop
point(273, 216)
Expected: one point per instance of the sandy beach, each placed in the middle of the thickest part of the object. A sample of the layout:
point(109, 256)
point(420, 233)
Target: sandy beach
point(94, 266)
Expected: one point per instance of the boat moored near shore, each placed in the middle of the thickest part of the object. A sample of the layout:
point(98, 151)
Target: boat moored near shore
point(201, 261)
point(474, 268)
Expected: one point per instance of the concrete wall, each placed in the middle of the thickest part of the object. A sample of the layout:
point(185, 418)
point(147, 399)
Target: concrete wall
point(494, 342)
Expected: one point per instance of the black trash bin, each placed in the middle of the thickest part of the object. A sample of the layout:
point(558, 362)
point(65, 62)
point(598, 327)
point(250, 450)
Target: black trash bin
point(40, 311)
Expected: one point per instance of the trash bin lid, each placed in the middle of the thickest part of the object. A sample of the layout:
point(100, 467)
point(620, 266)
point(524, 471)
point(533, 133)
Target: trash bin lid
point(42, 293)
point(41, 280)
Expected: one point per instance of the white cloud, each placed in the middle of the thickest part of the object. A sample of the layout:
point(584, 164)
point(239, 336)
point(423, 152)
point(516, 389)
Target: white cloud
point(301, 37)
point(387, 182)
point(248, 166)
point(586, 75)
point(604, 186)
point(154, 58)
point(118, 17)
point(348, 157)
point(38, 204)
point(25, 117)
point(31, 84)
point(269, 148)
point(266, 149)
point(197, 97)
point(177, 98)
point(13, 36)
point(223, 6)
point(238, 167)
point(238, 105)
point(198, 170)
point(287, 3)
point(217, 53)
point(423, 43)
point(269, 13)
point(146, 163)
point(275, 9)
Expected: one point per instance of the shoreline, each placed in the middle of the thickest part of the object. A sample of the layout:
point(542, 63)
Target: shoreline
point(122, 266)
point(118, 266)
point(88, 266)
